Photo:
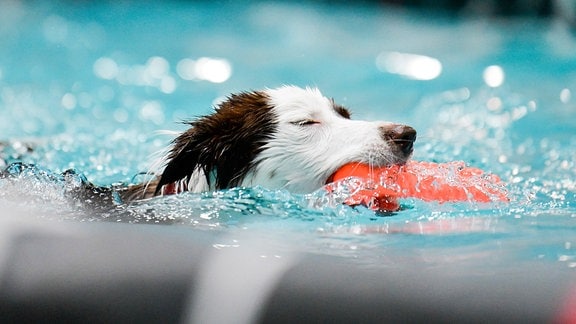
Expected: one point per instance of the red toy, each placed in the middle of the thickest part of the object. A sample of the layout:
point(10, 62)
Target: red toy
point(443, 182)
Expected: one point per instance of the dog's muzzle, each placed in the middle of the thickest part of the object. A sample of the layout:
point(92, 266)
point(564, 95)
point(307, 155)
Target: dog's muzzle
point(401, 136)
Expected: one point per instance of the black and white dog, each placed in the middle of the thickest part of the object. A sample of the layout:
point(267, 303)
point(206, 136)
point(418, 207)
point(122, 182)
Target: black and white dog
point(284, 138)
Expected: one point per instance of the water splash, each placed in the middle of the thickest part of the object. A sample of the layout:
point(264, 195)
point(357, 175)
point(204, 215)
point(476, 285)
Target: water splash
point(492, 129)
point(75, 198)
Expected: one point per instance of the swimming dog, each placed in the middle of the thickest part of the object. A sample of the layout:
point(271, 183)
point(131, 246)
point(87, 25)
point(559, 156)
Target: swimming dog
point(284, 138)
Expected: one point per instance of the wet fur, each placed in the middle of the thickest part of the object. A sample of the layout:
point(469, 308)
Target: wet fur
point(221, 146)
point(288, 138)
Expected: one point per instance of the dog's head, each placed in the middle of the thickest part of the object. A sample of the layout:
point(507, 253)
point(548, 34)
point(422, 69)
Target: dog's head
point(288, 137)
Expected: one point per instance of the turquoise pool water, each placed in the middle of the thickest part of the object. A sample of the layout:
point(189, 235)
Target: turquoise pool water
point(89, 86)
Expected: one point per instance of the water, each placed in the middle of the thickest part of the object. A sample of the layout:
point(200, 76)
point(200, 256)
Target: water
point(89, 86)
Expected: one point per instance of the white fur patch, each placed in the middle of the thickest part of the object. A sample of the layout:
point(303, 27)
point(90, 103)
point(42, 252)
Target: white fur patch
point(312, 141)
point(312, 138)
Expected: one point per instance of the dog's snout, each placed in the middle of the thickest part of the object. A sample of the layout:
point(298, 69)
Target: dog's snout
point(401, 135)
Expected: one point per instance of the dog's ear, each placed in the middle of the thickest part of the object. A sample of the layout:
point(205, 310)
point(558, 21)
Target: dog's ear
point(224, 144)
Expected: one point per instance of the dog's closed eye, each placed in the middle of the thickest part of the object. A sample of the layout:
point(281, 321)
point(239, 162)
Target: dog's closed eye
point(305, 122)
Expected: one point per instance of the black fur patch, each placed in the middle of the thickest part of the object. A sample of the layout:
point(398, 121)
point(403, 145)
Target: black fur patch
point(341, 110)
point(223, 144)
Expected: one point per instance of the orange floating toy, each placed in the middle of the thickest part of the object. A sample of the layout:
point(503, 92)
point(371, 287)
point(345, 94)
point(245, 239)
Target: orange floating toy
point(443, 182)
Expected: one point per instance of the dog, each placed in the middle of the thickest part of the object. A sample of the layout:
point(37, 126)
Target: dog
point(284, 138)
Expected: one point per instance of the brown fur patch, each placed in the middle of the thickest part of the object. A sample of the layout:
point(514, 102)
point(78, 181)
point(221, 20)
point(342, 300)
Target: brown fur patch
point(224, 144)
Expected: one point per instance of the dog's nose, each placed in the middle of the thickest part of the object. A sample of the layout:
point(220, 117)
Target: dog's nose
point(401, 135)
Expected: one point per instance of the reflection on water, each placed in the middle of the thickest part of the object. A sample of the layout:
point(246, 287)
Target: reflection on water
point(412, 66)
point(208, 69)
point(156, 72)
point(493, 76)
